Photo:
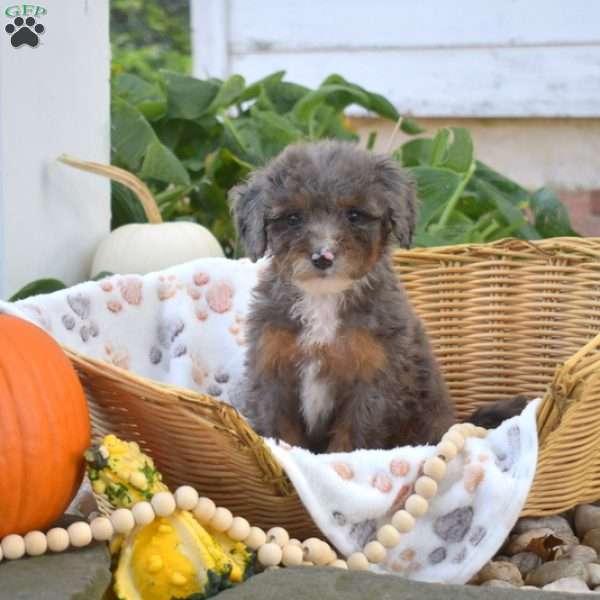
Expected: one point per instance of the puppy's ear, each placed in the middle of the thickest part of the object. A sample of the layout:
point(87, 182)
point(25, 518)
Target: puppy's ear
point(247, 206)
point(401, 197)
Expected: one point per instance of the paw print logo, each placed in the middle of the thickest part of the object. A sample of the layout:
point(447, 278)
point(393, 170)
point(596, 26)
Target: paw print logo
point(24, 31)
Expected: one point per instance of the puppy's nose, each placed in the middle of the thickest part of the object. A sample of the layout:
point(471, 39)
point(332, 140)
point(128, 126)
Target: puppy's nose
point(323, 259)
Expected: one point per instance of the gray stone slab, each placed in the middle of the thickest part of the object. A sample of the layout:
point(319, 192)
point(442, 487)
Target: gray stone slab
point(309, 583)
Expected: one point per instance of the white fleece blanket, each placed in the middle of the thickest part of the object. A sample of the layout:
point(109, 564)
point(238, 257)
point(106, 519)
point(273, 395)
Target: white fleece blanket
point(185, 326)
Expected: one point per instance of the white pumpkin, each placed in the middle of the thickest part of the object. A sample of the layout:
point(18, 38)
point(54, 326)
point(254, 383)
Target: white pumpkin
point(140, 248)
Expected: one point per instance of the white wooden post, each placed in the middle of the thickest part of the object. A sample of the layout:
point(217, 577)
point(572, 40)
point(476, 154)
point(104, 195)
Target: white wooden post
point(54, 99)
point(210, 38)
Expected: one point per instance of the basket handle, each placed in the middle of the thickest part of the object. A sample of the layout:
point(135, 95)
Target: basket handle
point(559, 395)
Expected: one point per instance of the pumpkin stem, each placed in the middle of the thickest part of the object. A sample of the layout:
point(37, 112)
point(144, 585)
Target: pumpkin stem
point(136, 185)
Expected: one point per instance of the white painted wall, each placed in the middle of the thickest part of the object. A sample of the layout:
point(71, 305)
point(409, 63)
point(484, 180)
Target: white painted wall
point(54, 99)
point(467, 58)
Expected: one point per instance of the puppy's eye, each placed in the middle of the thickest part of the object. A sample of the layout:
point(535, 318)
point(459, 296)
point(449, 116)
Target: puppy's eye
point(294, 219)
point(354, 216)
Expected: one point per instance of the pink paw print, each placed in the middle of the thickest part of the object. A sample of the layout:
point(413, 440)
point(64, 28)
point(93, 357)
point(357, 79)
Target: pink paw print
point(220, 297)
point(167, 287)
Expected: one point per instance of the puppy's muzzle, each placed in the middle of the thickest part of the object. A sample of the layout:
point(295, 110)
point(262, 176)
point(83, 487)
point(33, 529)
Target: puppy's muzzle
point(322, 259)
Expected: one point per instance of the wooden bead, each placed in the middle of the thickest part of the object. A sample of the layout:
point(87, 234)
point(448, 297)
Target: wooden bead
point(315, 551)
point(278, 535)
point(403, 521)
point(339, 564)
point(58, 539)
point(163, 504)
point(435, 467)
point(416, 505)
point(331, 555)
point(447, 450)
point(122, 520)
point(468, 429)
point(102, 529)
point(36, 543)
point(389, 536)
point(186, 497)
point(480, 432)
point(269, 554)
point(358, 562)
point(143, 513)
point(204, 510)
point(375, 552)
point(292, 555)
point(295, 542)
point(80, 534)
point(307, 563)
point(256, 538)
point(454, 437)
point(426, 487)
point(239, 530)
point(222, 519)
point(13, 547)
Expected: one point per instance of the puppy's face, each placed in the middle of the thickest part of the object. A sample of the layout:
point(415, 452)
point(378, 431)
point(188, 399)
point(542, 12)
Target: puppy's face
point(324, 212)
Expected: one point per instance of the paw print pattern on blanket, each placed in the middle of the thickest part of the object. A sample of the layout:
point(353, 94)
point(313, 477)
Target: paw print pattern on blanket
point(131, 290)
point(39, 315)
point(118, 356)
point(219, 296)
point(167, 287)
point(81, 306)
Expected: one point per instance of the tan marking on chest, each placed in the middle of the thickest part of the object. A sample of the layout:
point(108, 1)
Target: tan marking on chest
point(278, 351)
point(356, 354)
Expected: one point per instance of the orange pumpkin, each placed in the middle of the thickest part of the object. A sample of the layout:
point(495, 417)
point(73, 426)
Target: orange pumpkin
point(44, 428)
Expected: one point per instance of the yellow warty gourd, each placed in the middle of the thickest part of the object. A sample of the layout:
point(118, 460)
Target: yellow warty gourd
point(172, 557)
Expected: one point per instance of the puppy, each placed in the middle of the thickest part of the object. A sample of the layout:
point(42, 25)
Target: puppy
point(337, 359)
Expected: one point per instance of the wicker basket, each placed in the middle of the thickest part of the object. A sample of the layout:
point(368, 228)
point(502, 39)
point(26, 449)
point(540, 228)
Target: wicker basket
point(504, 318)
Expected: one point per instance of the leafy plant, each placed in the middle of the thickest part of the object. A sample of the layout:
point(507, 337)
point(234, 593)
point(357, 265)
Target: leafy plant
point(191, 140)
point(465, 201)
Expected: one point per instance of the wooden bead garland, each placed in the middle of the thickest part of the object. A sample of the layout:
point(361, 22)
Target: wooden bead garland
point(274, 547)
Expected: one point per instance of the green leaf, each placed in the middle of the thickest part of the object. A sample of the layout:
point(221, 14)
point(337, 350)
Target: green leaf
point(434, 188)
point(161, 164)
point(551, 218)
point(188, 98)
point(306, 107)
point(353, 93)
point(411, 127)
point(125, 207)
point(284, 94)
point(147, 97)
point(254, 90)
point(131, 134)
point(440, 147)
point(39, 286)
point(229, 93)
point(226, 169)
point(512, 191)
point(511, 214)
point(415, 153)
point(459, 153)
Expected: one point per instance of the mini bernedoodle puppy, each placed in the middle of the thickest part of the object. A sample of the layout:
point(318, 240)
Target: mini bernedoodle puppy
point(337, 359)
